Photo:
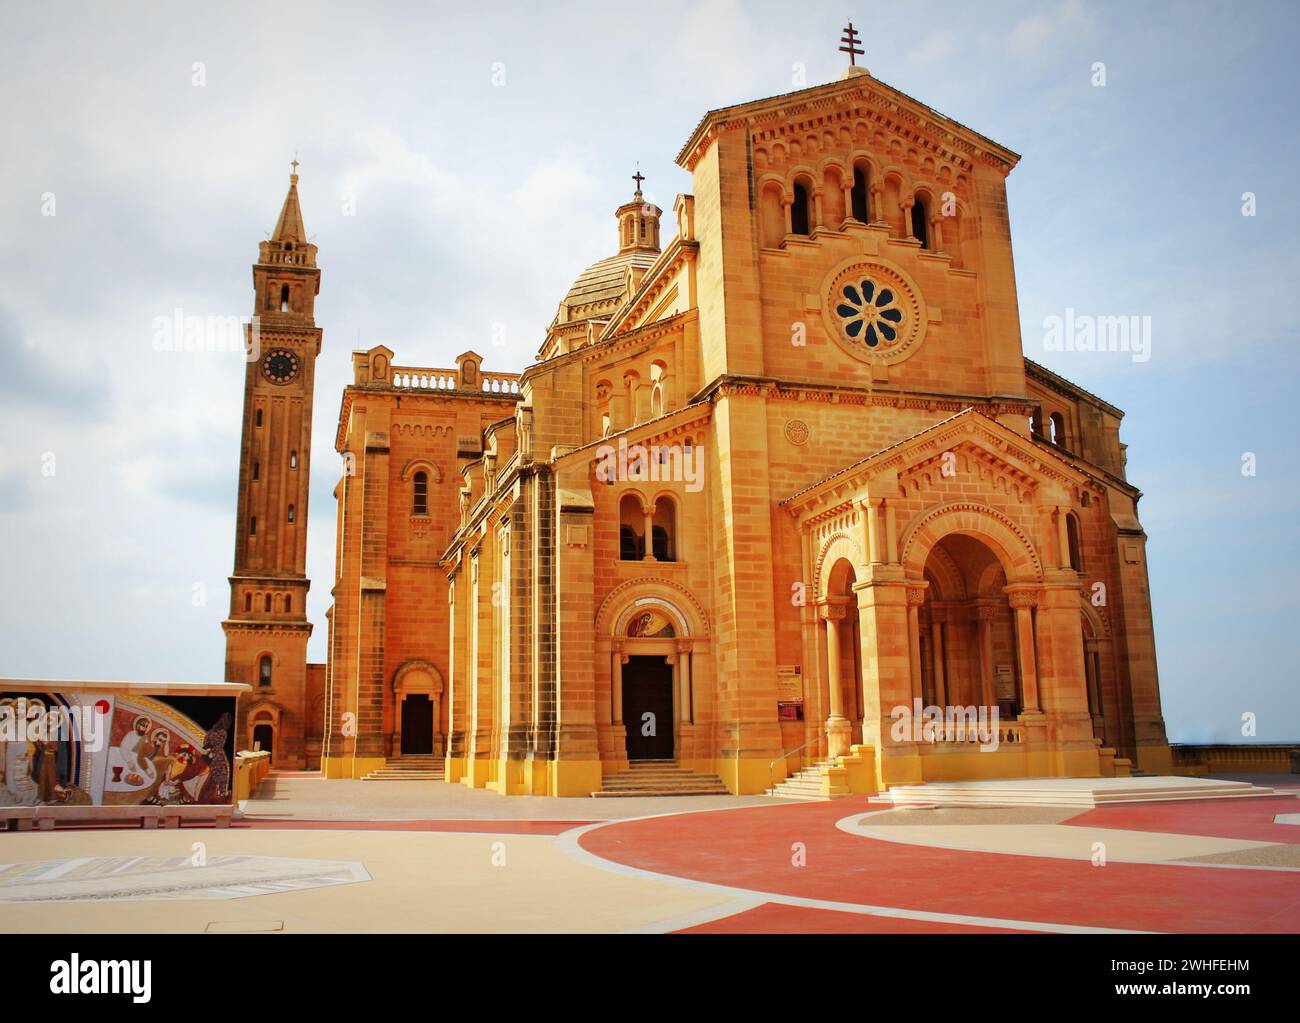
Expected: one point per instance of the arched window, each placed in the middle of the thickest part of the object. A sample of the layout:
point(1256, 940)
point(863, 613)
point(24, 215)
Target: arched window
point(288, 602)
point(268, 603)
point(664, 544)
point(799, 213)
point(264, 668)
point(257, 471)
point(860, 192)
point(252, 526)
point(293, 459)
point(284, 299)
point(1058, 429)
point(1072, 538)
point(257, 418)
point(248, 602)
point(290, 513)
point(420, 493)
point(631, 528)
point(921, 222)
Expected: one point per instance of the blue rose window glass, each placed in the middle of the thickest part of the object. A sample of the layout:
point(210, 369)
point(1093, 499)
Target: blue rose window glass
point(870, 314)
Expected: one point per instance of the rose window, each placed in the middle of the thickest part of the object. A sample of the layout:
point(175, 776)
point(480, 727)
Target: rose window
point(870, 313)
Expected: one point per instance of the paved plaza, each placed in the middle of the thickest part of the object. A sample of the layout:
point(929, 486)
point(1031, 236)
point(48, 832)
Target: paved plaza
point(309, 855)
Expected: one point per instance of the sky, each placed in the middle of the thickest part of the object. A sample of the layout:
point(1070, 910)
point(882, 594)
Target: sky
point(460, 165)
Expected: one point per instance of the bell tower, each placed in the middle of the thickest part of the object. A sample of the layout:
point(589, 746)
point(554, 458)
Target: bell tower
point(267, 629)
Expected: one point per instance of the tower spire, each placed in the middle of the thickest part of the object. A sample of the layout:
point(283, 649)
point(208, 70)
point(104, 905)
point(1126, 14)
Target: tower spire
point(289, 227)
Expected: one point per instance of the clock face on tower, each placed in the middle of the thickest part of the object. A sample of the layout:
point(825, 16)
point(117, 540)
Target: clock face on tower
point(279, 365)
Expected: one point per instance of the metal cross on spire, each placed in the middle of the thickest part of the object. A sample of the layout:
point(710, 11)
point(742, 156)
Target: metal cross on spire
point(850, 39)
point(638, 177)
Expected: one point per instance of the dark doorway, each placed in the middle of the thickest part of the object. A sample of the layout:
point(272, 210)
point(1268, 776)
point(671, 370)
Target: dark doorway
point(262, 738)
point(417, 724)
point(648, 708)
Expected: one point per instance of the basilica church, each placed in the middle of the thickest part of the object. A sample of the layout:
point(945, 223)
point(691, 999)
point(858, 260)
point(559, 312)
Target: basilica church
point(771, 485)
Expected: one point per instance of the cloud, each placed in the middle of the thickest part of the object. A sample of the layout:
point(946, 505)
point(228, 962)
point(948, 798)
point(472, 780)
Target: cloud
point(1036, 31)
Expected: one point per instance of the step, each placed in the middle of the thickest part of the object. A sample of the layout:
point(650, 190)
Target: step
point(717, 790)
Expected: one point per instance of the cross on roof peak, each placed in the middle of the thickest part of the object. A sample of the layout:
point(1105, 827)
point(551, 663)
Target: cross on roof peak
point(638, 177)
point(850, 41)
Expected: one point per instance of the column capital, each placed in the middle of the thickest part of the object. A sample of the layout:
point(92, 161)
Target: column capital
point(829, 612)
point(1023, 596)
point(916, 594)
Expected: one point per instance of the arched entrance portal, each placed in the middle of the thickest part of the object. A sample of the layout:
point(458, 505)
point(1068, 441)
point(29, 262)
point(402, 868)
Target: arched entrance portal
point(969, 654)
point(264, 739)
point(417, 693)
point(646, 683)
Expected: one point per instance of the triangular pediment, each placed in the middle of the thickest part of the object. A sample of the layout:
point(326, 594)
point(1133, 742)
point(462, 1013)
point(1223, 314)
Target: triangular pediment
point(966, 446)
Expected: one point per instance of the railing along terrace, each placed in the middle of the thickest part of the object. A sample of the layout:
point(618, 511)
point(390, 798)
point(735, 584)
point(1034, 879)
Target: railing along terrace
point(412, 378)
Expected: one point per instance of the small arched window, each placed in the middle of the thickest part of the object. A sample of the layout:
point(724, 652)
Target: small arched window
point(420, 493)
point(799, 213)
point(257, 418)
point(664, 543)
point(1058, 429)
point(1072, 538)
point(284, 299)
point(290, 513)
point(252, 526)
point(293, 459)
point(860, 186)
point(248, 602)
point(268, 603)
point(257, 471)
point(631, 529)
point(264, 670)
point(921, 222)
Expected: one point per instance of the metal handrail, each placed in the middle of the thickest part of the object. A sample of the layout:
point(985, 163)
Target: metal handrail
point(771, 772)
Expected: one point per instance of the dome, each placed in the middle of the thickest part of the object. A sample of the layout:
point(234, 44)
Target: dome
point(602, 285)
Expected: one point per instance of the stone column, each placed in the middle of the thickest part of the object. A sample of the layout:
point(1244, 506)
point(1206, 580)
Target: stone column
point(936, 646)
point(1023, 602)
point(906, 206)
point(936, 234)
point(616, 680)
point(787, 202)
point(915, 598)
point(648, 553)
point(684, 681)
point(837, 725)
point(817, 210)
point(848, 198)
point(986, 616)
point(877, 200)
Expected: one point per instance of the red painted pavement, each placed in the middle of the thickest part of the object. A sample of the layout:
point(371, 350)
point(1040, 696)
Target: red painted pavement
point(775, 918)
point(1250, 819)
point(753, 849)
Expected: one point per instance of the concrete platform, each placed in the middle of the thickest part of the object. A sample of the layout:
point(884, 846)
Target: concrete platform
point(1084, 793)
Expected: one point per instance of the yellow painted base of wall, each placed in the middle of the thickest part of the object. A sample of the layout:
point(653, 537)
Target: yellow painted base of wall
point(1155, 759)
point(572, 777)
point(350, 767)
point(454, 769)
point(744, 777)
point(478, 772)
point(976, 766)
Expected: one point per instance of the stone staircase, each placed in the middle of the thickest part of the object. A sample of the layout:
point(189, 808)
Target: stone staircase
point(411, 767)
point(659, 778)
point(805, 784)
